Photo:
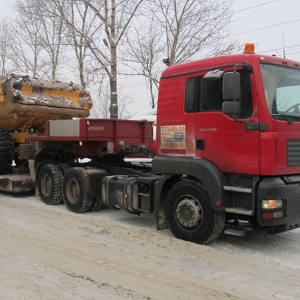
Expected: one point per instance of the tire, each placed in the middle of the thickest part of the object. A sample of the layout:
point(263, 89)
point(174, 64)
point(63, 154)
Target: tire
point(64, 168)
point(97, 204)
point(49, 182)
point(6, 152)
point(75, 192)
point(190, 215)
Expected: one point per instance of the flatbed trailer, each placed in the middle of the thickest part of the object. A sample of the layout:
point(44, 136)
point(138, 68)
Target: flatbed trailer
point(67, 142)
point(99, 136)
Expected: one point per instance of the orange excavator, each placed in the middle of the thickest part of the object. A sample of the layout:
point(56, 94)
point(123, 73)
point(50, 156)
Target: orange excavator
point(27, 103)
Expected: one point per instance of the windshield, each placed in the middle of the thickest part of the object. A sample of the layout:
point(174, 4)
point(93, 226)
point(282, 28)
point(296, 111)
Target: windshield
point(282, 90)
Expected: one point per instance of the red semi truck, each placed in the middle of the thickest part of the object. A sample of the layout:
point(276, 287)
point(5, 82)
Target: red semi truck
point(227, 151)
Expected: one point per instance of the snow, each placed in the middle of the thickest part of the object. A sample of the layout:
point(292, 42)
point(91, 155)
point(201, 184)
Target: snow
point(47, 252)
point(58, 94)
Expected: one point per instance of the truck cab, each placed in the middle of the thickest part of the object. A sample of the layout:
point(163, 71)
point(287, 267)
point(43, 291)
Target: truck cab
point(232, 124)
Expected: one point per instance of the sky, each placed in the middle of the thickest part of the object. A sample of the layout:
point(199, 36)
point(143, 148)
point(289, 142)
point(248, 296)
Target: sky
point(272, 25)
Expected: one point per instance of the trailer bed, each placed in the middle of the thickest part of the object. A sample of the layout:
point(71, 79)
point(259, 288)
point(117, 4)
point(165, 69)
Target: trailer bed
point(113, 135)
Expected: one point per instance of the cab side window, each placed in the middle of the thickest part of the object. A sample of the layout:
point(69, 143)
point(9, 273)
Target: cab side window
point(211, 96)
point(207, 95)
point(192, 94)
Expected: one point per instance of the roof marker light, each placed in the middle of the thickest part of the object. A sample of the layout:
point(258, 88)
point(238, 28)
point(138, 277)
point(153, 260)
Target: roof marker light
point(249, 48)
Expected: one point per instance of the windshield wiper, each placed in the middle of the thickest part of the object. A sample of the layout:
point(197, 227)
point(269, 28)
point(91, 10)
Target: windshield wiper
point(289, 118)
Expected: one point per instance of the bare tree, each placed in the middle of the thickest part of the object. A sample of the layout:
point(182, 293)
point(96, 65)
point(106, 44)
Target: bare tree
point(26, 49)
point(116, 17)
point(145, 53)
point(94, 30)
point(52, 39)
point(82, 27)
point(5, 38)
point(107, 23)
point(179, 31)
point(194, 27)
point(101, 107)
point(80, 16)
point(37, 41)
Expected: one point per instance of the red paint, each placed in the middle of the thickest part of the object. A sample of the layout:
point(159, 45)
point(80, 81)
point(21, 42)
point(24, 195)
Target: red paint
point(227, 144)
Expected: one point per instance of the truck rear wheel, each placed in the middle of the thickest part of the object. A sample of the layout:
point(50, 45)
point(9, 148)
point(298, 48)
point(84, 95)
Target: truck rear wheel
point(190, 215)
point(97, 204)
point(6, 151)
point(75, 192)
point(49, 182)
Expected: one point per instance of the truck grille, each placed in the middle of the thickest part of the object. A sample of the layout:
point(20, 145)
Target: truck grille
point(293, 152)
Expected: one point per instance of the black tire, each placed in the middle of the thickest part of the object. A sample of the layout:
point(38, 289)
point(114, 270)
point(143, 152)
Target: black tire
point(6, 152)
point(64, 168)
point(190, 215)
point(97, 204)
point(75, 192)
point(49, 182)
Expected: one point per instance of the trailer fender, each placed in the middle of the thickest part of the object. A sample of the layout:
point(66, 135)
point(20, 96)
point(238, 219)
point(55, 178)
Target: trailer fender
point(81, 186)
point(91, 179)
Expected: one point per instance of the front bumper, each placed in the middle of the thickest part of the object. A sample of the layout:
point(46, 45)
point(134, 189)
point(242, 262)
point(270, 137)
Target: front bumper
point(286, 188)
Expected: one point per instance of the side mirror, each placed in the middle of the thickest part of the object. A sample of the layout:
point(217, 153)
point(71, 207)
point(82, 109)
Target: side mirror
point(231, 86)
point(231, 108)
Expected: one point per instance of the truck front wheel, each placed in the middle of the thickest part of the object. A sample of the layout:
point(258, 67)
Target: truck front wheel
point(75, 193)
point(190, 215)
point(49, 182)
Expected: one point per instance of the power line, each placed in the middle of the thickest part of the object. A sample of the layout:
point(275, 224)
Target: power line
point(292, 53)
point(244, 9)
point(288, 47)
point(271, 26)
point(265, 27)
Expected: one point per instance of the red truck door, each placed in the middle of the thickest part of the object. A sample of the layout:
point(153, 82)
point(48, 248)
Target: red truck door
point(230, 142)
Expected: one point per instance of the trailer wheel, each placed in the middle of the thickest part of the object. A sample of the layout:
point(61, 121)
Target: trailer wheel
point(75, 192)
point(64, 168)
point(6, 151)
point(190, 215)
point(49, 182)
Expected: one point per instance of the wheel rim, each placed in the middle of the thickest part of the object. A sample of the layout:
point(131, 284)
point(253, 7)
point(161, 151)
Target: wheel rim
point(46, 185)
point(72, 190)
point(189, 212)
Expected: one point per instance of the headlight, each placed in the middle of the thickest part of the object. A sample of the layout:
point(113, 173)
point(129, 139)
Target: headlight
point(272, 204)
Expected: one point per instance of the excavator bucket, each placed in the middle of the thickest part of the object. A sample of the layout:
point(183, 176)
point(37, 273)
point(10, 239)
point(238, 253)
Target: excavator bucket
point(27, 103)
